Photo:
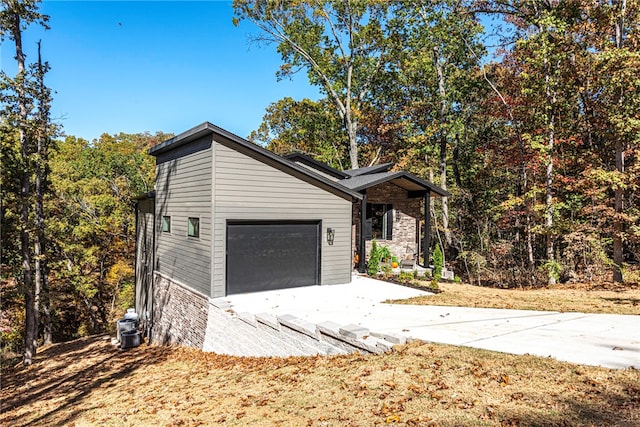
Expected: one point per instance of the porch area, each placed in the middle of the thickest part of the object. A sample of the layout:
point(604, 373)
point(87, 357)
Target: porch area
point(394, 212)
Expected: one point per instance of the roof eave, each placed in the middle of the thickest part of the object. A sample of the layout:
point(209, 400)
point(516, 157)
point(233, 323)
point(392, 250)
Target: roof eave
point(207, 128)
point(182, 139)
point(434, 189)
point(313, 163)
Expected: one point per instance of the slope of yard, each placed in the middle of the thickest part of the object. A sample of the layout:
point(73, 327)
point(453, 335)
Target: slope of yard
point(575, 298)
point(90, 382)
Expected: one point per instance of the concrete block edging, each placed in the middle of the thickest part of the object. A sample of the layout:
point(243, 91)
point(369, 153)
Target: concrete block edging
point(286, 332)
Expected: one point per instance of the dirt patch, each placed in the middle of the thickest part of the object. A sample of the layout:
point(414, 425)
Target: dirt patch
point(91, 382)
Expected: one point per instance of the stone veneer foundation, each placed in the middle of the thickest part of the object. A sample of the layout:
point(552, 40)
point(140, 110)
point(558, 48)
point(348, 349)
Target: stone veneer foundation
point(179, 314)
point(182, 316)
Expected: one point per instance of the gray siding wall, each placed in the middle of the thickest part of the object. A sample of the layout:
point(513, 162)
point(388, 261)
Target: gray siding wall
point(183, 190)
point(246, 188)
point(144, 256)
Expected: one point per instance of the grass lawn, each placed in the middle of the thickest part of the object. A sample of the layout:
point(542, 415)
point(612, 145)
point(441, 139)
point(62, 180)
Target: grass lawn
point(576, 298)
point(90, 382)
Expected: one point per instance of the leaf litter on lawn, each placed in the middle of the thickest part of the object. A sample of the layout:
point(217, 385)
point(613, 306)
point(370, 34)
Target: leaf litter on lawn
point(584, 298)
point(90, 382)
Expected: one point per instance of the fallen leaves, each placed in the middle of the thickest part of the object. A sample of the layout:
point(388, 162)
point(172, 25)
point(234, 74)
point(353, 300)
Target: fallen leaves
point(585, 298)
point(423, 386)
point(504, 380)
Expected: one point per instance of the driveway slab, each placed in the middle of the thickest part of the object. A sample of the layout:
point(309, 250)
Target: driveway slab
point(607, 340)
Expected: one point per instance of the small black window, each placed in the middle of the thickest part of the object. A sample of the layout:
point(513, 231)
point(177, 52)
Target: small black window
point(166, 224)
point(194, 227)
point(379, 221)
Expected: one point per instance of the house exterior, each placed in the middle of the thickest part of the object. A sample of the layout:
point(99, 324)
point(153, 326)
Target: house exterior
point(393, 206)
point(228, 216)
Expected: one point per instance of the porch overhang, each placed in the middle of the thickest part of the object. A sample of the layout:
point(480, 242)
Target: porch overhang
point(415, 187)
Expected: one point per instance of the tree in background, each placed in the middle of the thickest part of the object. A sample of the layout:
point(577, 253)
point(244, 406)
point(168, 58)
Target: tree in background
point(438, 78)
point(45, 132)
point(611, 93)
point(309, 127)
point(90, 232)
point(93, 225)
point(578, 116)
point(543, 52)
point(541, 143)
point(341, 44)
point(26, 101)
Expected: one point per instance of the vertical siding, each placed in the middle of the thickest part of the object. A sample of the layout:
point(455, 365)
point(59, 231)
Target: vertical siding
point(183, 190)
point(248, 189)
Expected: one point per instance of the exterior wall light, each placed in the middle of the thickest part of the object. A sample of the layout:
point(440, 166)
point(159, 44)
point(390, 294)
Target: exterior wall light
point(331, 234)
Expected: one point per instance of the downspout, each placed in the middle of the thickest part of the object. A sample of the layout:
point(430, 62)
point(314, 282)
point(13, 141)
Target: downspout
point(135, 258)
point(363, 225)
point(153, 276)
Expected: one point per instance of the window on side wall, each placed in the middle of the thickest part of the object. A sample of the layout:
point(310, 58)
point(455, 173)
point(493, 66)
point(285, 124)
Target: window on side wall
point(379, 221)
point(166, 224)
point(193, 227)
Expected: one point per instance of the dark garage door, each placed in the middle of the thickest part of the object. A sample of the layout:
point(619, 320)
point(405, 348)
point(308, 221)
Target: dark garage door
point(267, 256)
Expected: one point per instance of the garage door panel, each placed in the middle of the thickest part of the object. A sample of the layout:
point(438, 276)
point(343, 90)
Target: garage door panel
point(266, 256)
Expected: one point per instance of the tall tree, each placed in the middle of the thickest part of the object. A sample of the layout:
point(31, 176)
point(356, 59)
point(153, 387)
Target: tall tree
point(620, 28)
point(92, 225)
point(14, 16)
point(543, 55)
point(342, 45)
point(611, 96)
point(309, 127)
point(575, 98)
point(438, 75)
point(44, 132)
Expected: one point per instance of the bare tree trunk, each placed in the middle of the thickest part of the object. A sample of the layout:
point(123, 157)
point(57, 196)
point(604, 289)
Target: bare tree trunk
point(548, 200)
point(443, 143)
point(618, 253)
point(47, 332)
point(523, 166)
point(549, 205)
point(351, 126)
point(618, 249)
point(31, 295)
point(42, 281)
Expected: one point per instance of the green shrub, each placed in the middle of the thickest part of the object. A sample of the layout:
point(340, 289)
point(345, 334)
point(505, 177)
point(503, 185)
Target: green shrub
point(404, 276)
point(552, 269)
point(374, 260)
point(457, 279)
point(385, 253)
point(438, 262)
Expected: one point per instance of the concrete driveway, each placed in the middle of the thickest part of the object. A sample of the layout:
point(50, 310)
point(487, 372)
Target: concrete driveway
point(607, 340)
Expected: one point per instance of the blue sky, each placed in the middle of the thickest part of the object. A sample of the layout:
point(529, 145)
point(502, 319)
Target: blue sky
point(136, 66)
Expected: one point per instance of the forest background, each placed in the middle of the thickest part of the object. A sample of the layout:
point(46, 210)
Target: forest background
point(539, 148)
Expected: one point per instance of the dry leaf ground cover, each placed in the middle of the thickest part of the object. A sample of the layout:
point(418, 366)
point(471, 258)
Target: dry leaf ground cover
point(90, 382)
point(584, 298)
